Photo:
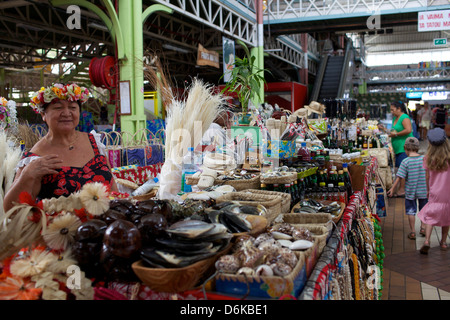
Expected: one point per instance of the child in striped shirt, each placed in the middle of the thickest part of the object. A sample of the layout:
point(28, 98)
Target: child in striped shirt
point(411, 169)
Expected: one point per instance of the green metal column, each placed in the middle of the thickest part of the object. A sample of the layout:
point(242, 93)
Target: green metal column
point(258, 51)
point(126, 29)
point(132, 37)
point(131, 20)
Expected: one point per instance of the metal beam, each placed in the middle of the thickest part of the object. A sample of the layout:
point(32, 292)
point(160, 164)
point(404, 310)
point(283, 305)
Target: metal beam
point(232, 18)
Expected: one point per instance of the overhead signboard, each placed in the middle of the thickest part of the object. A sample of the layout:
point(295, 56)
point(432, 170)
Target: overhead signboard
point(433, 20)
point(440, 42)
point(435, 95)
point(414, 95)
point(207, 57)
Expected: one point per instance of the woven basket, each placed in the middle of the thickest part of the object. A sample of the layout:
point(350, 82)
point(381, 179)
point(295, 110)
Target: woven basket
point(287, 177)
point(335, 218)
point(285, 198)
point(319, 218)
point(320, 234)
point(272, 203)
point(176, 279)
point(239, 185)
point(265, 286)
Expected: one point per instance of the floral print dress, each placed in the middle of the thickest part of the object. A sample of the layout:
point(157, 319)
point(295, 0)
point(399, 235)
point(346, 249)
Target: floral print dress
point(71, 179)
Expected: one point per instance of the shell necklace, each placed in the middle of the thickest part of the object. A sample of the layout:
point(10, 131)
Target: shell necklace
point(71, 145)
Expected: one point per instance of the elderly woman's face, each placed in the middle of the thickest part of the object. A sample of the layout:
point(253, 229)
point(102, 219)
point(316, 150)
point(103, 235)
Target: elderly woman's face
point(62, 115)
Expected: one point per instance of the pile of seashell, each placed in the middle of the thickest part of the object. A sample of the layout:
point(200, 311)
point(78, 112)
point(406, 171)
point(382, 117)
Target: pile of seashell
point(272, 253)
point(278, 172)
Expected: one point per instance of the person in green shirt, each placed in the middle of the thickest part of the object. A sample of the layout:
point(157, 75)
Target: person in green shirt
point(400, 131)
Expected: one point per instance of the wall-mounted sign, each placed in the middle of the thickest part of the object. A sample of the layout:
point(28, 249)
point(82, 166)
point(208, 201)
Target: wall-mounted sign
point(414, 95)
point(433, 20)
point(207, 58)
point(435, 95)
point(440, 42)
point(125, 97)
point(228, 58)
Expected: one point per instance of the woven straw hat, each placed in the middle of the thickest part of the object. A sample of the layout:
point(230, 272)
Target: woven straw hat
point(315, 107)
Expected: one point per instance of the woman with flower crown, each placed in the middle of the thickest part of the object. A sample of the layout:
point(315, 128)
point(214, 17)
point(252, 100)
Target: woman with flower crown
point(64, 159)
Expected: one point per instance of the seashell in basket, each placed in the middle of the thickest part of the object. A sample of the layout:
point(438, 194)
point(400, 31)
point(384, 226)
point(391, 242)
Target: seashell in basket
point(127, 183)
point(301, 245)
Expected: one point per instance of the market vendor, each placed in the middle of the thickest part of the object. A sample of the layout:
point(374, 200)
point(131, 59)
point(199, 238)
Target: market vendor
point(400, 131)
point(64, 159)
point(216, 134)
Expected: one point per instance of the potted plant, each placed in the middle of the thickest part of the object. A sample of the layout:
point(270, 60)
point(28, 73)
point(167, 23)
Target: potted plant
point(246, 79)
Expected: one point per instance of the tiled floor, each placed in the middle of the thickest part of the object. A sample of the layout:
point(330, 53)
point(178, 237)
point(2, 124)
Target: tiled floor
point(409, 275)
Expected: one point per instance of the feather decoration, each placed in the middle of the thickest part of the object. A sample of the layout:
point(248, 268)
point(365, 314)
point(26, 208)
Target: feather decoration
point(186, 122)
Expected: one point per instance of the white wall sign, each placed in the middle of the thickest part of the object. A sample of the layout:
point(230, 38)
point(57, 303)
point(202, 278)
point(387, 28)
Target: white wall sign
point(433, 20)
point(228, 58)
point(125, 97)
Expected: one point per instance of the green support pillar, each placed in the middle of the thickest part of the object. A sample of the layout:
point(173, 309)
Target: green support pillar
point(258, 51)
point(131, 19)
point(126, 29)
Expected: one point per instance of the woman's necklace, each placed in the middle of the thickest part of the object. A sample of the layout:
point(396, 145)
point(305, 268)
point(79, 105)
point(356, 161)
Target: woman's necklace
point(72, 144)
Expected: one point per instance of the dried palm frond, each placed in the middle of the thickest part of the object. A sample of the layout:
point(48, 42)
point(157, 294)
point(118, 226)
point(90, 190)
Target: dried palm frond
point(10, 155)
point(186, 122)
point(158, 76)
point(18, 228)
point(69, 203)
point(27, 134)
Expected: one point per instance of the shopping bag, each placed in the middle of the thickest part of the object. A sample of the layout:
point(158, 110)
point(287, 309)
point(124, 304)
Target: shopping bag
point(144, 149)
point(382, 154)
point(113, 146)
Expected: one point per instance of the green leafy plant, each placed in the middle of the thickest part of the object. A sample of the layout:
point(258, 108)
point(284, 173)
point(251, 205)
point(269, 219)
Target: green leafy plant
point(246, 78)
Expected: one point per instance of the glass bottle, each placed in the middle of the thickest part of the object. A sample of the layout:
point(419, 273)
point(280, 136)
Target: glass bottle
point(347, 180)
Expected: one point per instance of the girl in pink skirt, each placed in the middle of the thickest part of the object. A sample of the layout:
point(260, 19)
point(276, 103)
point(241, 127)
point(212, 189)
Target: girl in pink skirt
point(437, 165)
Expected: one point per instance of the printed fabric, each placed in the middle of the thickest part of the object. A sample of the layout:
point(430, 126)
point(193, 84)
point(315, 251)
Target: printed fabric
point(70, 179)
